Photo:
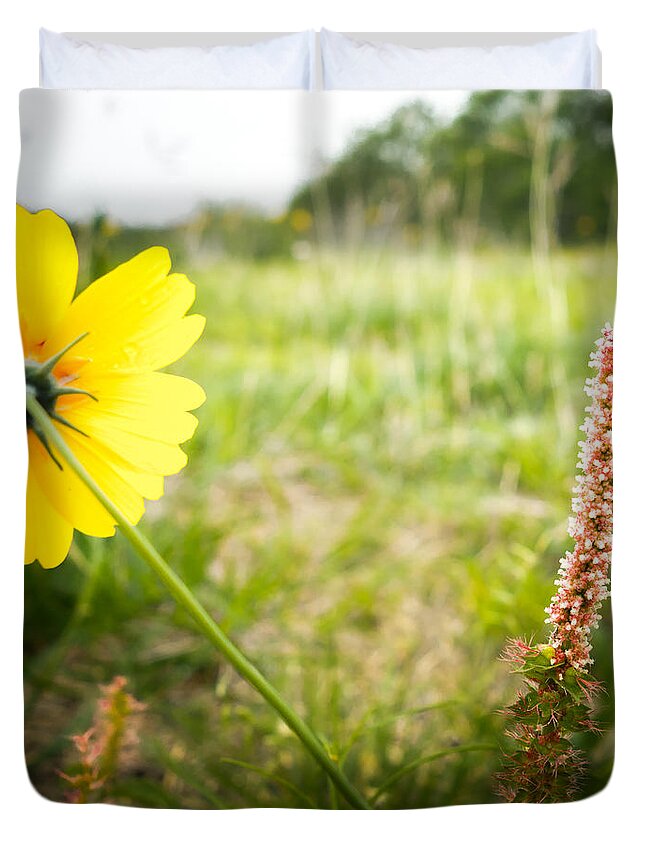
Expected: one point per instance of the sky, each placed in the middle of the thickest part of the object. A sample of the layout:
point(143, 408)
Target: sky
point(153, 157)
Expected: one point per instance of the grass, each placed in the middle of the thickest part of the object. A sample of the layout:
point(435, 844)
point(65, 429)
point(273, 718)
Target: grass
point(376, 498)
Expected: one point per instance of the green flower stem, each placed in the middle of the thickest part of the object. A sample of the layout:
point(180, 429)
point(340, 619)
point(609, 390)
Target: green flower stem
point(183, 596)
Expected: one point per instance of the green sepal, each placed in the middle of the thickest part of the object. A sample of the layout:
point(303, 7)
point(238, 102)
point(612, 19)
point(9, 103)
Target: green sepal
point(572, 686)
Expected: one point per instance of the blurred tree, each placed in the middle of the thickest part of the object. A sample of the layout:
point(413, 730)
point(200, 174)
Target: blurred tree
point(378, 177)
point(588, 199)
point(527, 148)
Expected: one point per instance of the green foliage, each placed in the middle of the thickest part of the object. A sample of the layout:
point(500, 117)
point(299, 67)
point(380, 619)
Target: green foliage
point(416, 171)
point(544, 765)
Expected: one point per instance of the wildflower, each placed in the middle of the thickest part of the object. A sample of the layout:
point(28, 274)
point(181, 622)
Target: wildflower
point(101, 748)
point(584, 572)
point(557, 697)
point(92, 362)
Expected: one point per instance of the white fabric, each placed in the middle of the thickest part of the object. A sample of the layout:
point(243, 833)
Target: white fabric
point(286, 62)
point(566, 62)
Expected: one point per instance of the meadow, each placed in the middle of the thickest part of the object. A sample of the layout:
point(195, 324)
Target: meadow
point(376, 498)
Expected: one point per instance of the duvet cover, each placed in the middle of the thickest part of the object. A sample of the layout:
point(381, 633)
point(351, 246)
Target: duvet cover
point(318, 401)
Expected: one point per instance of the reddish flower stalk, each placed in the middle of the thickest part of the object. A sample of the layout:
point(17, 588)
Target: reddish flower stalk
point(100, 747)
point(557, 696)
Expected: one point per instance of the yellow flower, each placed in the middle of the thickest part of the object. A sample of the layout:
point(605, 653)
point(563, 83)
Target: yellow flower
point(92, 362)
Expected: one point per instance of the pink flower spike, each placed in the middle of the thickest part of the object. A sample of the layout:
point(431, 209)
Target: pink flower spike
point(585, 570)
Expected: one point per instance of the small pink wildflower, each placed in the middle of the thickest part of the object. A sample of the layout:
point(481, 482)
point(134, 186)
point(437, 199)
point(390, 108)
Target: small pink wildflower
point(100, 748)
point(556, 702)
point(584, 572)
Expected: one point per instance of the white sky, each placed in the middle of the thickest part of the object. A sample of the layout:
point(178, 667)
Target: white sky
point(152, 157)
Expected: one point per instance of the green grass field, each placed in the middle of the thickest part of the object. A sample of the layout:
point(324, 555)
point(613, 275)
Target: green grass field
point(376, 498)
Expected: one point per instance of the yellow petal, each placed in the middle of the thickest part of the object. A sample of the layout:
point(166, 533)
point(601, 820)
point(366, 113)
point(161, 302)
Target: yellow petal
point(106, 476)
point(136, 451)
point(66, 493)
point(143, 347)
point(133, 316)
point(149, 486)
point(46, 271)
point(165, 345)
point(152, 405)
point(146, 485)
point(48, 536)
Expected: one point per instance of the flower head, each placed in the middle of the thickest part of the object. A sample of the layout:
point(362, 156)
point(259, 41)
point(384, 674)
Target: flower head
point(584, 572)
point(93, 363)
point(557, 699)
